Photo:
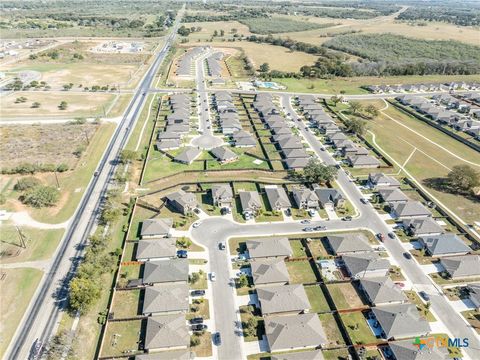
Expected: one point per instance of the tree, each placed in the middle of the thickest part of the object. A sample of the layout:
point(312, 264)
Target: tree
point(82, 294)
point(36, 105)
point(316, 172)
point(222, 32)
point(233, 30)
point(58, 346)
point(335, 99)
point(215, 33)
point(41, 196)
point(463, 178)
point(183, 31)
point(371, 110)
point(127, 156)
point(243, 280)
point(63, 105)
point(264, 68)
point(356, 126)
point(355, 107)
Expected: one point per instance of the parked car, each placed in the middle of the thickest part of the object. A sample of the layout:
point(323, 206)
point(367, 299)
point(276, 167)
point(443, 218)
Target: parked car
point(308, 229)
point(198, 293)
point(364, 201)
point(213, 276)
point(288, 212)
point(306, 221)
point(311, 212)
point(424, 295)
point(380, 236)
point(196, 224)
point(196, 211)
point(391, 235)
point(318, 228)
point(217, 339)
point(347, 218)
point(183, 254)
point(196, 320)
point(221, 245)
point(407, 255)
point(199, 327)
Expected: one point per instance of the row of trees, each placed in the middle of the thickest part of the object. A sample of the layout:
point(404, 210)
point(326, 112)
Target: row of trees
point(458, 14)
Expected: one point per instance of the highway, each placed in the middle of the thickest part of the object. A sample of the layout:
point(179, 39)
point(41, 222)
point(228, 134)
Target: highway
point(50, 299)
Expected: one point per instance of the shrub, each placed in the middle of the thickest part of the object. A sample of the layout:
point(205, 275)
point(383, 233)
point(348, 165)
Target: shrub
point(41, 196)
point(26, 183)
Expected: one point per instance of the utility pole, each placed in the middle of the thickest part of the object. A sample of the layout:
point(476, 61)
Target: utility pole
point(23, 243)
point(86, 137)
point(56, 178)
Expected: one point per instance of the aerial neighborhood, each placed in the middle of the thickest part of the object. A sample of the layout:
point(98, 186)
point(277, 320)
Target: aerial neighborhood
point(240, 180)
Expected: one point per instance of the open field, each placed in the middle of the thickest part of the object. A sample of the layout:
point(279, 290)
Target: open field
point(55, 144)
point(78, 104)
point(40, 243)
point(429, 161)
point(207, 29)
point(17, 288)
point(277, 57)
point(277, 24)
point(72, 182)
point(352, 85)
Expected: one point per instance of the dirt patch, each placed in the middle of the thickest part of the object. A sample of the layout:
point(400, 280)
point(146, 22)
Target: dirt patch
point(44, 144)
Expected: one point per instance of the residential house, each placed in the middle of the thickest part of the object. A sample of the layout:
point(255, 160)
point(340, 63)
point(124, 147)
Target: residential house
point(152, 228)
point(407, 350)
point(295, 153)
point(268, 271)
point(182, 201)
point(166, 271)
point(156, 249)
point(460, 267)
point(188, 155)
point(348, 243)
point(284, 299)
point(168, 332)
point(277, 197)
point(444, 245)
point(168, 144)
point(367, 264)
point(400, 321)
point(409, 209)
point(302, 355)
point(275, 247)
point(243, 139)
point(422, 227)
point(289, 142)
point(222, 195)
point(329, 198)
point(363, 161)
point(296, 163)
point(166, 355)
point(224, 155)
point(165, 299)
point(294, 332)
point(305, 198)
point(377, 180)
point(250, 201)
point(392, 195)
point(474, 294)
point(382, 291)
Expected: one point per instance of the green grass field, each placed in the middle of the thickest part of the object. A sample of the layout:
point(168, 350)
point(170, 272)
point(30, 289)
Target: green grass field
point(300, 272)
point(358, 329)
point(317, 299)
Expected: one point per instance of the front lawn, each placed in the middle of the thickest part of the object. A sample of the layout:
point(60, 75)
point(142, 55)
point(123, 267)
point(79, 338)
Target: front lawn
point(199, 308)
point(424, 309)
point(198, 281)
point(252, 323)
point(204, 347)
point(473, 318)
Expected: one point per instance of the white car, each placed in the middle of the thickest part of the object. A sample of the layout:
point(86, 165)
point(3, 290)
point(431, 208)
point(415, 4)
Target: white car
point(196, 224)
point(213, 276)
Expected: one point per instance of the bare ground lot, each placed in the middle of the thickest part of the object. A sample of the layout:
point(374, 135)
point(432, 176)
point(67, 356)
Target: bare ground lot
point(43, 143)
point(78, 104)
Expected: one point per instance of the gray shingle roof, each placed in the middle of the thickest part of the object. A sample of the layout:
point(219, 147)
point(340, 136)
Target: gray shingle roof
point(348, 243)
point(296, 163)
point(382, 290)
point(277, 197)
point(267, 271)
point(188, 155)
point(284, 298)
point(222, 153)
point(166, 355)
point(444, 244)
point(401, 321)
point(269, 247)
point(295, 153)
point(250, 200)
point(165, 298)
point(382, 179)
point(406, 350)
point(326, 195)
point(223, 192)
point(163, 271)
point(462, 266)
point(156, 227)
point(359, 264)
point(166, 331)
point(294, 331)
point(410, 208)
point(363, 160)
point(474, 292)
point(423, 226)
point(392, 195)
point(156, 248)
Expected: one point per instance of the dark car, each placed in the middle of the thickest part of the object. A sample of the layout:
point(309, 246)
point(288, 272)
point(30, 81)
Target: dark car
point(182, 254)
point(217, 339)
point(391, 235)
point(347, 218)
point(221, 246)
point(199, 327)
point(196, 320)
point(380, 236)
point(407, 255)
point(198, 293)
point(424, 295)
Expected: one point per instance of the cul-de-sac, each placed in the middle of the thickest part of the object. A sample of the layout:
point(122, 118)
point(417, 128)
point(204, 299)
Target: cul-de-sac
point(240, 180)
